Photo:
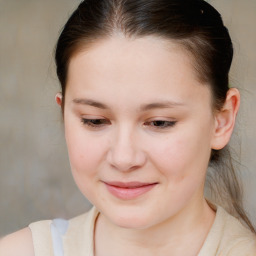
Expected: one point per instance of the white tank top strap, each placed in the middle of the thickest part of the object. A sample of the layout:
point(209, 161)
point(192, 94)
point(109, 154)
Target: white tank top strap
point(60, 237)
point(59, 228)
point(42, 239)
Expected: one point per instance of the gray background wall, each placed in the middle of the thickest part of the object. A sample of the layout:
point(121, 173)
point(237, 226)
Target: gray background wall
point(35, 180)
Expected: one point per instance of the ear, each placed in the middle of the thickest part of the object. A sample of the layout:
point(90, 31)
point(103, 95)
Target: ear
point(58, 98)
point(225, 119)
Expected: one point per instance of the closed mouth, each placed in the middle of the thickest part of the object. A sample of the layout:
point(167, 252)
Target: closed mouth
point(129, 190)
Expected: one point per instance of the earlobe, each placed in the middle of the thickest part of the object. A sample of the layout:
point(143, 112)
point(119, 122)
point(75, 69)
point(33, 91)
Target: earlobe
point(58, 98)
point(225, 119)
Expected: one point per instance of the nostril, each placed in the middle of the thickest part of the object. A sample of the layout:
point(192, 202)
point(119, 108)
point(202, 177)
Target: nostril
point(125, 162)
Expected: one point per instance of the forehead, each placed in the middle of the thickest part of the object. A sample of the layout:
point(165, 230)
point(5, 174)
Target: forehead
point(147, 66)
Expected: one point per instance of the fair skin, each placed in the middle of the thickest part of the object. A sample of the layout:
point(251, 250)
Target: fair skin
point(159, 140)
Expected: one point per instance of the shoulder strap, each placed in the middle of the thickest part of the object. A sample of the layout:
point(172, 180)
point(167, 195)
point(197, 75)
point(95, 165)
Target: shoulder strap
point(58, 229)
point(61, 237)
point(42, 240)
point(79, 239)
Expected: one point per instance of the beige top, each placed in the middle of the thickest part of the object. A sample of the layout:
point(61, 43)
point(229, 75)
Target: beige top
point(227, 237)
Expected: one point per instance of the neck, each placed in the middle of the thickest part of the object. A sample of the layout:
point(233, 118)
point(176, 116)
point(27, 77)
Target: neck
point(190, 224)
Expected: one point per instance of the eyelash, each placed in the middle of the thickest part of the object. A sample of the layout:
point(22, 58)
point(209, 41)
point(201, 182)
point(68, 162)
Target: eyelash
point(161, 124)
point(156, 124)
point(95, 123)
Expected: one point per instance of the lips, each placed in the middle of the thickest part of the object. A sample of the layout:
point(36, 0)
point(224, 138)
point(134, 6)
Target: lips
point(128, 190)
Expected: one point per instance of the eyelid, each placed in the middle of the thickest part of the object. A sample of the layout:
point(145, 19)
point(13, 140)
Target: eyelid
point(163, 123)
point(164, 119)
point(95, 123)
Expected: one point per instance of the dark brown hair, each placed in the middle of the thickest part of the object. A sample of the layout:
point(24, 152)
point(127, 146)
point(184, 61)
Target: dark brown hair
point(193, 24)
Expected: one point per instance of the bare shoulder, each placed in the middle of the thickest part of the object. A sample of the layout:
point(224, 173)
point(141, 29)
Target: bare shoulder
point(18, 243)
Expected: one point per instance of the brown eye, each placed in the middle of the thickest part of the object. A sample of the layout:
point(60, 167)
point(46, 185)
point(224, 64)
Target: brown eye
point(161, 124)
point(97, 123)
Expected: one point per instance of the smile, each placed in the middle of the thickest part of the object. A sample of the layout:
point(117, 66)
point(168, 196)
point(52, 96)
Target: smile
point(130, 190)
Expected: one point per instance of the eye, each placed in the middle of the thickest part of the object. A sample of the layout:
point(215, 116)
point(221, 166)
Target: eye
point(160, 124)
point(95, 123)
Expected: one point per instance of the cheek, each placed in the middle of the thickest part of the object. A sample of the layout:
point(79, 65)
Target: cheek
point(86, 155)
point(184, 155)
point(183, 162)
point(85, 152)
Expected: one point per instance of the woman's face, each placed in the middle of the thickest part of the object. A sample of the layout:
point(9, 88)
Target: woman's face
point(139, 128)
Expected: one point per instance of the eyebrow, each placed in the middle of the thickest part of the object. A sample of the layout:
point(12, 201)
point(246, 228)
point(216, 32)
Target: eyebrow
point(164, 104)
point(90, 103)
point(143, 108)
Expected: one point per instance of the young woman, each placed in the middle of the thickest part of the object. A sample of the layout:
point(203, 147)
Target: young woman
point(146, 106)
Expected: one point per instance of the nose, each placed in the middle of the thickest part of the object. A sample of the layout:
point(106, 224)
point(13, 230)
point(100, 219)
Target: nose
point(125, 153)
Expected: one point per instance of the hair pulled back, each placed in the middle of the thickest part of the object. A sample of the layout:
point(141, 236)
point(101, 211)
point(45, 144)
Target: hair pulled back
point(193, 24)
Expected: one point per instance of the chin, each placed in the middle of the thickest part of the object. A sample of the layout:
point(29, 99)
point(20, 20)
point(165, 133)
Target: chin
point(132, 223)
point(130, 219)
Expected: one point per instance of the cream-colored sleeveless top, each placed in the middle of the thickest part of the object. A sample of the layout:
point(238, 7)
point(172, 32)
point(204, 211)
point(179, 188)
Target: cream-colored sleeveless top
point(227, 237)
